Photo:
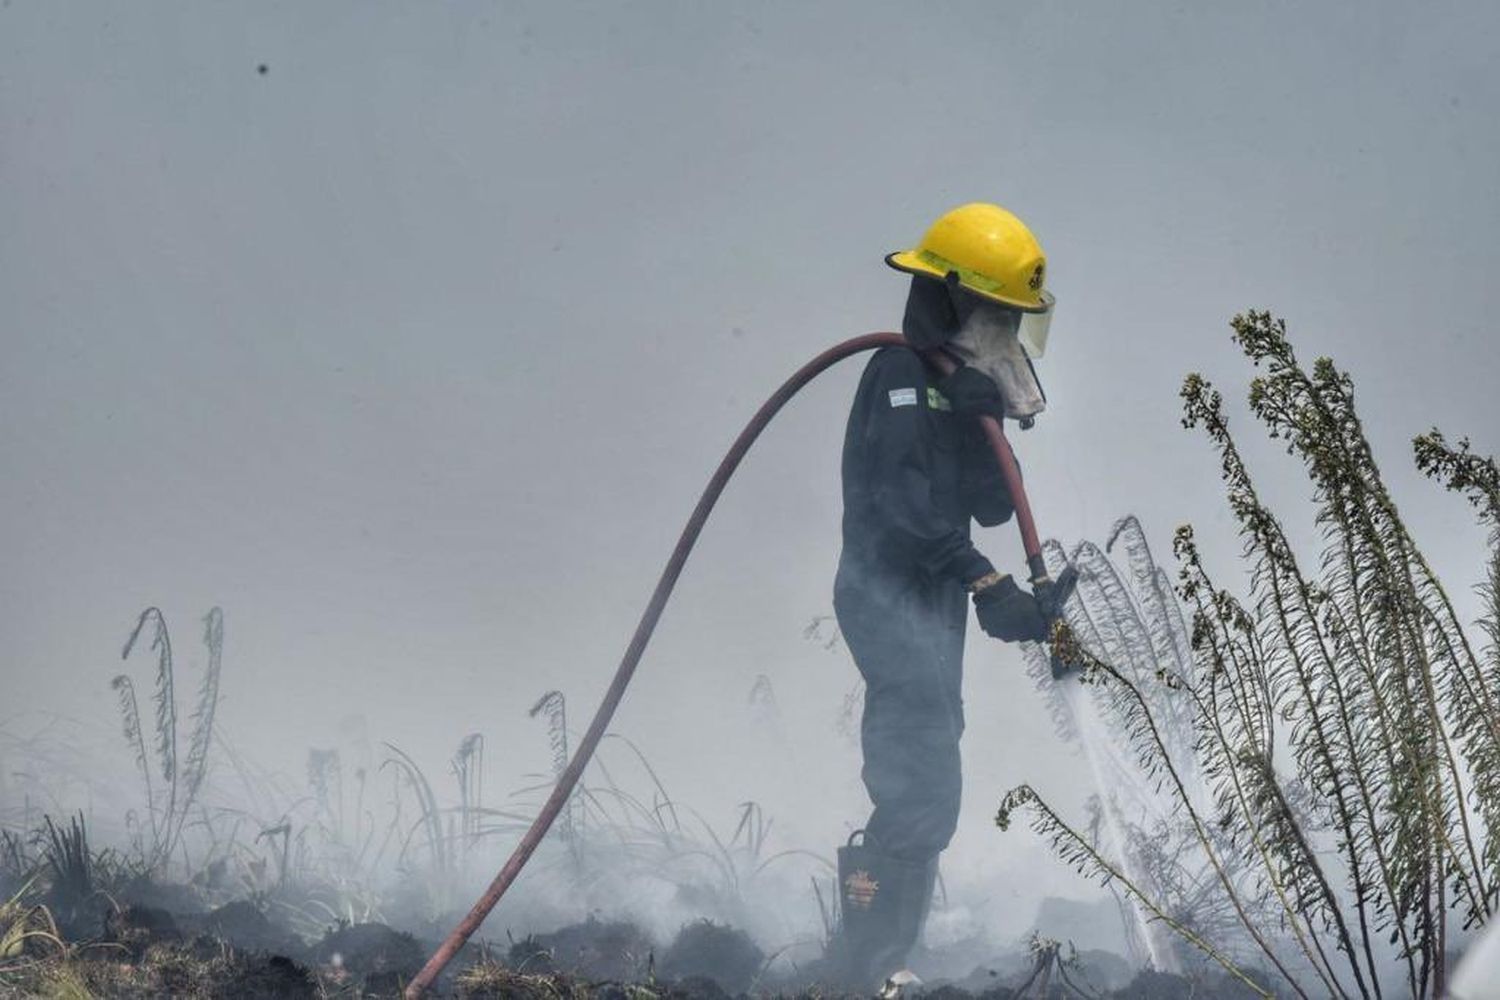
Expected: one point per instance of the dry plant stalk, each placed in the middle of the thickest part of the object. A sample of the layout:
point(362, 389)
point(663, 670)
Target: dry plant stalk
point(171, 795)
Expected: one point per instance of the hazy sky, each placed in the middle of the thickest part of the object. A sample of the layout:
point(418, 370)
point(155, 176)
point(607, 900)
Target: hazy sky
point(413, 350)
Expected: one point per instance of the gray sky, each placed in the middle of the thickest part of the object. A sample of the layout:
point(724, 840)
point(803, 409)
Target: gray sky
point(414, 351)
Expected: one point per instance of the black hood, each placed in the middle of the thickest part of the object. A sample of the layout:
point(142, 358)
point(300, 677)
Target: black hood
point(930, 318)
point(936, 309)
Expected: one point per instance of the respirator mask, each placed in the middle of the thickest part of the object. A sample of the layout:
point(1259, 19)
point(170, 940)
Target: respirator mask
point(1001, 342)
point(997, 340)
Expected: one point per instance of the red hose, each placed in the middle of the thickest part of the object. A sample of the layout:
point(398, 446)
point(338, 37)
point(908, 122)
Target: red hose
point(570, 775)
point(1010, 472)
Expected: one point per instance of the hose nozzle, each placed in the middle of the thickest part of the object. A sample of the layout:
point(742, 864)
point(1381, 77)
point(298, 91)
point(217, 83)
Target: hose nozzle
point(1052, 596)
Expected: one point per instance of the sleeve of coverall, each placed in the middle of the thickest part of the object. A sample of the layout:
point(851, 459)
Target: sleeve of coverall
point(899, 445)
point(982, 486)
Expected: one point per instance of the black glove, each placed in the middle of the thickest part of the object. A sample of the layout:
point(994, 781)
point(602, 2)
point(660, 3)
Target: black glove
point(972, 393)
point(1008, 613)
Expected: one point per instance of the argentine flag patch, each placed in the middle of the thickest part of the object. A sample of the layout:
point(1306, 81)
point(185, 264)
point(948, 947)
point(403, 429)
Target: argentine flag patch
point(903, 397)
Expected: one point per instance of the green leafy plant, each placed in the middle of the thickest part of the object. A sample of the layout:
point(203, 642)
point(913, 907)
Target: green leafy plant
point(24, 926)
point(1345, 728)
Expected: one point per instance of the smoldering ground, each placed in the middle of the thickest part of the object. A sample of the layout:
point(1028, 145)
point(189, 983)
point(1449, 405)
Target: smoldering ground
point(365, 834)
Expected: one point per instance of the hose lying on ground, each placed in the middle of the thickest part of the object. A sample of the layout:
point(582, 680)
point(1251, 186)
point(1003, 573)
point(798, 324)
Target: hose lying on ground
point(590, 742)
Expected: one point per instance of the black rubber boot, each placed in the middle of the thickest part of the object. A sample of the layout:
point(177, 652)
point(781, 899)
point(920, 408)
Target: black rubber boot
point(883, 904)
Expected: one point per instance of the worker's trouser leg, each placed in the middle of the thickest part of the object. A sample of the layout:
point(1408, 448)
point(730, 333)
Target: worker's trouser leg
point(910, 736)
point(908, 644)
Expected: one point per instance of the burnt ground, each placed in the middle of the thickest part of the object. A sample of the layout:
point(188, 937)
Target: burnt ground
point(238, 950)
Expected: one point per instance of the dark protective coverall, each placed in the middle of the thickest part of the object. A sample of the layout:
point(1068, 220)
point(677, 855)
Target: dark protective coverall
point(914, 474)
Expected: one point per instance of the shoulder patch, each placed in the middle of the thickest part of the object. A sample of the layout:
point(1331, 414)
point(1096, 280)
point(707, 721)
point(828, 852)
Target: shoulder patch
point(937, 401)
point(903, 397)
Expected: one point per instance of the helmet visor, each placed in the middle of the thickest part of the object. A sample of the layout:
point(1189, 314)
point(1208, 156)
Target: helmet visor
point(1034, 327)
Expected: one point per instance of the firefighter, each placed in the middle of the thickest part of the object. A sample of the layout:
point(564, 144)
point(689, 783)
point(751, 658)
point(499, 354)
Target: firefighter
point(916, 468)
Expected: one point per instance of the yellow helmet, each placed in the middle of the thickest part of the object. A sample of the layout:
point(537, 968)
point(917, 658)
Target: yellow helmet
point(991, 252)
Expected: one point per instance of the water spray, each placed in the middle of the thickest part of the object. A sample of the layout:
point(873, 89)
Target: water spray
point(1052, 594)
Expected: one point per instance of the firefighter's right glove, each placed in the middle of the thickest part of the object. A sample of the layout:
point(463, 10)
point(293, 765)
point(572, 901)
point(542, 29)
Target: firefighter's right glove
point(1008, 613)
point(972, 393)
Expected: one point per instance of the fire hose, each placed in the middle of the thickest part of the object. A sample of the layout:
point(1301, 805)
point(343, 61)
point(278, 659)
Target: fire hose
point(1051, 593)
